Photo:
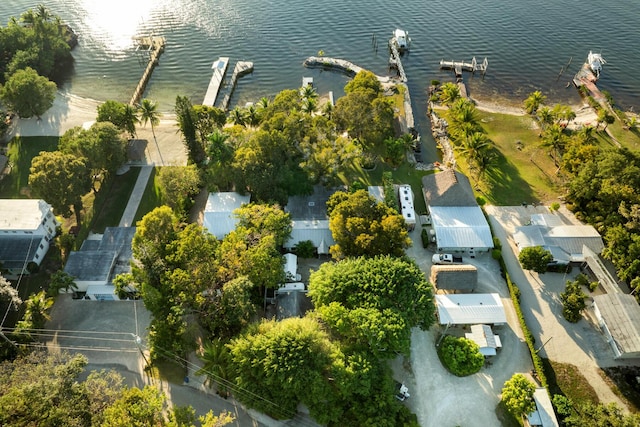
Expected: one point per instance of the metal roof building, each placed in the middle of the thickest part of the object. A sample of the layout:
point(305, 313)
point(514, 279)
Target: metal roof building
point(564, 241)
point(317, 231)
point(469, 309)
point(218, 213)
point(543, 416)
point(457, 220)
point(619, 317)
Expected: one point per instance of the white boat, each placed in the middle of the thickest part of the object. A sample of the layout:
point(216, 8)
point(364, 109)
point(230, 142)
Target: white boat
point(402, 39)
point(595, 61)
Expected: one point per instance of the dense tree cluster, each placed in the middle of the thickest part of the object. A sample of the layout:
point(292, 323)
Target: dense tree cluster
point(363, 227)
point(44, 389)
point(580, 414)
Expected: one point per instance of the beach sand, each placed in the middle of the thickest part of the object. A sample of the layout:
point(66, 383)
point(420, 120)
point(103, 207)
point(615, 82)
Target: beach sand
point(69, 111)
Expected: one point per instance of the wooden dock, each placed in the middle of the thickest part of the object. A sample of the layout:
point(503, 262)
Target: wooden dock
point(241, 68)
point(395, 59)
point(459, 66)
point(587, 78)
point(219, 70)
point(153, 46)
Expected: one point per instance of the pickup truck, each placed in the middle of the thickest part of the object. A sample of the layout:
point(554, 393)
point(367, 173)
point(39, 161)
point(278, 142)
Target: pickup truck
point(446, 259)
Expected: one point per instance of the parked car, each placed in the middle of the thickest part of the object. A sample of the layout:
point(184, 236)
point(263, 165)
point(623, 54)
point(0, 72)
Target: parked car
point(446, 259)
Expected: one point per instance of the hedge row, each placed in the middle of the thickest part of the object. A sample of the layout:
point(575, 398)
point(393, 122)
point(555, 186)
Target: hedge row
point(515, 297)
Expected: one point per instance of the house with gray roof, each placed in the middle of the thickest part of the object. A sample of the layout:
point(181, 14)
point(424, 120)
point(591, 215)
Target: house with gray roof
point(100, 259)
point(618, 315)
point(458, 222)
point(564, 241)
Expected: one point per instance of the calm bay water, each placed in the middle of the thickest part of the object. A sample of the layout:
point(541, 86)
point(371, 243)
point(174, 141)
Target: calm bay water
point(527, 44)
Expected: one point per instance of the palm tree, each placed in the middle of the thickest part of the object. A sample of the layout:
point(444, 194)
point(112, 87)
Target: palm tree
point(263, 103)
point(473, 146)
point(604, 117)
point(534, 101)
point(130, 119)
point(237, 117)
point(308, 92)
point(554, 138)
point(545, 116)
point(252, 116)
point(37, 311)
point(449, 93)
point(217, 367)
point(43, 13)
point(149, 113)
point(309, 105)
point(586, 134)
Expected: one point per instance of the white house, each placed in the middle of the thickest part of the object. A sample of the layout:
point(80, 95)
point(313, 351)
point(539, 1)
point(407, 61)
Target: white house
point(458, 222)
point(26, 228)
point(469, 309)
point(218, 213)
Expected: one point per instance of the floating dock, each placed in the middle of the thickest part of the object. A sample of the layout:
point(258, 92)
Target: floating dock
point(153, 46)
point(459, 66)
point(241, 68)
point(219, 70)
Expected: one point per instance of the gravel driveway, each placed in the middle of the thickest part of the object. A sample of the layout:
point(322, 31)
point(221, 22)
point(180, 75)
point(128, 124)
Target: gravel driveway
point(441, 399)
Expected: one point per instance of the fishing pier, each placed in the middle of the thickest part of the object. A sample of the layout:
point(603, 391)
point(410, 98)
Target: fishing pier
point(153, 47)
point(219, 70)
point(394, 59)
point(459, 66)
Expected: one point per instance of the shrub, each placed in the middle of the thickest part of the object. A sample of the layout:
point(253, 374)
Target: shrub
point(497, 244)
point(496, 254)
point(425, 238)
point(593, 286)
point(460, 356)
point(305, 249)
point(535, 258)
point(573, 301)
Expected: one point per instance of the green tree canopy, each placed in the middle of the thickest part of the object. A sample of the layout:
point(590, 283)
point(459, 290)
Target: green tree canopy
point(62, 179)
point(461, 356)
point(178, 186)
point(535, 258)
point(28, 94)
point(361, 226)
point(517, 395)
point(264, 219)
point(573, 301)
point(382, 283)
point(121, 115)
point(534, 101)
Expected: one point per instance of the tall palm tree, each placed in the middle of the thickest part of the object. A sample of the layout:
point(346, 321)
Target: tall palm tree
point(148, 111)
point(263, 103)
point(308, 92)
point(586, 134)
point(237, 117)
point(252, 116)
point(534, 101)
point(309, 105)
point(554, 138)
point(545, 116)
point(37, 311)
point(474, 145)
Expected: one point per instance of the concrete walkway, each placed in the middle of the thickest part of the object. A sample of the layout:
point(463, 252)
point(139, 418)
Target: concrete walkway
point(136, 195)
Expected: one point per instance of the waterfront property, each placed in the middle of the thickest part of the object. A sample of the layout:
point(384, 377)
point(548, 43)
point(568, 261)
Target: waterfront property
point(219, 70)
point(152, 46)
point(309, 220)
point(27, 227)
point(458, 222)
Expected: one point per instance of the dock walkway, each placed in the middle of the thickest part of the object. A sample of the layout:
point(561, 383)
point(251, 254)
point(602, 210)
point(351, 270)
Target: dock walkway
point(395, 59)
point(219, 70)
point(341, 64)
point(459, 66)
point(154, 46)
point(241, 68)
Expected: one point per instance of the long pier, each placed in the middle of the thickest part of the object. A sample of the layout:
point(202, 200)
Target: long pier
point(154, 46)
point(241, 68)
point(219, 70)
point(395, 59)
point(459, 66)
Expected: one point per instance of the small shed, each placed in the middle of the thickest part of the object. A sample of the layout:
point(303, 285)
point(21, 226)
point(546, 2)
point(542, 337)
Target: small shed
point(619, 317)
point(485, 338)
point(463, 277)
point(469, 309)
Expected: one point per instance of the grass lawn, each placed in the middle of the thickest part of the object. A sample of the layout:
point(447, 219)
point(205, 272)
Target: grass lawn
point(110, 205)
point(151, 198)
point(627, 138)
point(405, 174)
point(20, 152)
point(567, 380)
point(522, 172)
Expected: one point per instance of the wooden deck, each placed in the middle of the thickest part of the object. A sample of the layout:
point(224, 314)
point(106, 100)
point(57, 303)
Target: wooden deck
point(154, 46)
point(219, 70)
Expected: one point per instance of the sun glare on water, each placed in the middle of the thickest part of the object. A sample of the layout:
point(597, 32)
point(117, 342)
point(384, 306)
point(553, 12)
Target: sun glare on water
point(115, 22)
